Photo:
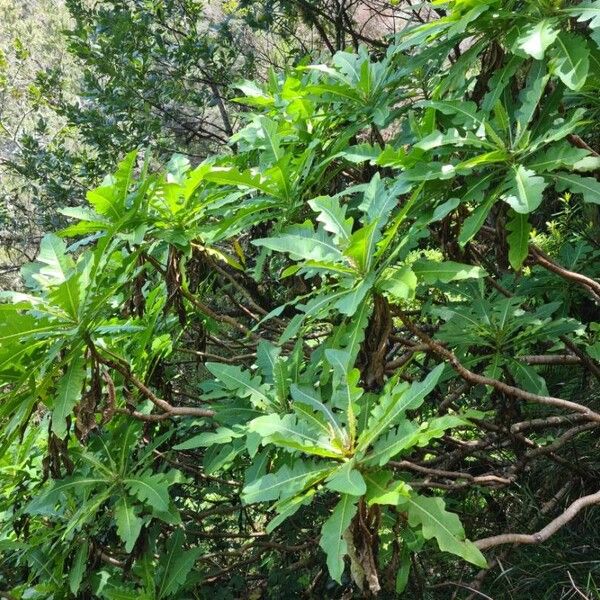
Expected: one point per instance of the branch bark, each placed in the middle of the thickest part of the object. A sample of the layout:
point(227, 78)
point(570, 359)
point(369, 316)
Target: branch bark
point(591, 286)
point(546, 532)
point(500, 386)
point(169, 409)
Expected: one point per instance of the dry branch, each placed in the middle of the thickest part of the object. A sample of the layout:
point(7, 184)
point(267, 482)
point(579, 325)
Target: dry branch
point(546, 532)
point(500, 386)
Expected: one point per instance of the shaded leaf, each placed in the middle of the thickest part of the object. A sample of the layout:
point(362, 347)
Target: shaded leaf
point(518, 240)
point(78, 566)
point(176, 565)
point(587, 186)
point(332, 541)
point(129, 524)
point(151, 489)
point(68, 394)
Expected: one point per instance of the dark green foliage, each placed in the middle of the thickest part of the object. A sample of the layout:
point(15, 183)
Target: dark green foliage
point(323, 363)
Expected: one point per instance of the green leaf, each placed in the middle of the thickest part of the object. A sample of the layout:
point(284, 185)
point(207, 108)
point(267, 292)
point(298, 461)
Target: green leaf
point(286, 508)
point(69, 293)
point(223, 435)
point(121, 591)
point(452, 137)
point(307, 395)
point(53, 265)
point(267, 357)
point(530, 97)
point(129, 524)
point(68, 394)
point(176, 565)
point(303, 245)
point(47, 500)
point(393, 442)
point(404, 570)
point(556, 156)
point(16, 326)
point(482, 160)
point(218, 456)
point(353, 331)
point(361, 247)
point(524, 190)
point(280, 430)
point(106, 202)
point(587, 164)
point(527, 377)
point(560, 129)
point(335, 90)
point(325, 450)
point(571, 62)
point(518, 240)
point(394, 402)
point(400, 283)
point(443, 210)
point(445, 527)
point(538, 38)
point(464, 112)
point(360, 153)
point(437, 427)
point(83, 213)
point(281, 383)
point(332, 541)
point(284, 483)
point(78, 566)
point(594, 351)
point(272, 138)
point(340, 361)
point(232, 176)
point(378, 202)
point(333, 217)
point(347, 480)
point(499, 81)
point(587, 186)
point(474, 222)
point(152, 489)
point(430, 271)
point(254, 96)
point(380, 491)
point(348, 304)
point(242, 382)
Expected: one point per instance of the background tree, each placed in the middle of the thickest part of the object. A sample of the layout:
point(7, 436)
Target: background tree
point(34, 140)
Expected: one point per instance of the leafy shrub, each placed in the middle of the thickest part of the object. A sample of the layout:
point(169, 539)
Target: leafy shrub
point(343, 335)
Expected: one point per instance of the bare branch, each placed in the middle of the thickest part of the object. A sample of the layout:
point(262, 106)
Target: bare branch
point(591, 286)
point(169, 409)
point(546, 532)
point(502, 387)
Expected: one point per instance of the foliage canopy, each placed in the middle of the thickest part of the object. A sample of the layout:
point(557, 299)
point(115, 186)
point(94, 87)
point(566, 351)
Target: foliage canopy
point(309, 360)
